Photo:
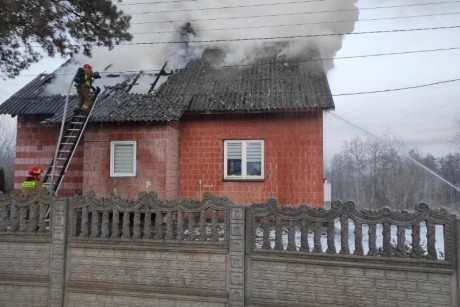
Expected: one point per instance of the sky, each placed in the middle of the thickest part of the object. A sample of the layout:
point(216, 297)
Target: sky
point(423, 116)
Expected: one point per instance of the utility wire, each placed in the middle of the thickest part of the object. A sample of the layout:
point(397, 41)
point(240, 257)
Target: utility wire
point(290, 37)
point(334, 95)
point(391, 53)
point(300, 13)
point(225, 7)
point(294, 2)
point(301, 24)
point(270, 63)
point(397, 89)
point(286, 37)
point(156, 2)
point(181, 1)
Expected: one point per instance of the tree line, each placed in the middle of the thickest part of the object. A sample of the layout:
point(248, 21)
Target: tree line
point(7, 153)
point(377, 172)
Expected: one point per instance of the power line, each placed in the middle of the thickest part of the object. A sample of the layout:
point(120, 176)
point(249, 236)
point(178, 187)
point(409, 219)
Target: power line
point(393, 53)
point(291, 36)
point(295, 2)
point(156, 2)
point(299, 13)
point(303, 23)
point(292, 62)
point(334, 95)
point(226, 7)
point(397, 89)
point(285, 37)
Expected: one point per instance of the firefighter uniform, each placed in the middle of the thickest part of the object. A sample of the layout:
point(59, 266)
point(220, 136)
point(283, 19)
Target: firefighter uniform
point(84, 83)
point(33, 181)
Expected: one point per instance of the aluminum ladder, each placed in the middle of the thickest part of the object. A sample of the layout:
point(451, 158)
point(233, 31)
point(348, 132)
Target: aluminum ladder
point(67, 146)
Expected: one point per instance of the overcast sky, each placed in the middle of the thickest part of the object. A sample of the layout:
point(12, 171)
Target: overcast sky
point(425, 117)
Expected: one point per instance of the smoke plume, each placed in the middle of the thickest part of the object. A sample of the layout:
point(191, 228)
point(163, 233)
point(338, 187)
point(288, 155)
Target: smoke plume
point(178, 32)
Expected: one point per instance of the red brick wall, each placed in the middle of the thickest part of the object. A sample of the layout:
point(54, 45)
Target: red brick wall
point(293, 156)
point(35, 146)
point(157, 160)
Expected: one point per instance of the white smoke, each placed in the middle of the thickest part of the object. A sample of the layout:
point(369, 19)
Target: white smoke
point(241, 28)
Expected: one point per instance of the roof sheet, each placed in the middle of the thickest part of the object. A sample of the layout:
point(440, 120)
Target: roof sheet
point(267, 85)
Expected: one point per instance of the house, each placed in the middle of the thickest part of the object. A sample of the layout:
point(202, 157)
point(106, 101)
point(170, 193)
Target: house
point(248, 132)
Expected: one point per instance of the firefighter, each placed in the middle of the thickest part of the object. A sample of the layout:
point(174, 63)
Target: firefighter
point(33, 181)
point(84, 84)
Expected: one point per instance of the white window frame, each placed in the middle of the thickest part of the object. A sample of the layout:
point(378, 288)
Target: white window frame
point(244, 176)
point(112, 159)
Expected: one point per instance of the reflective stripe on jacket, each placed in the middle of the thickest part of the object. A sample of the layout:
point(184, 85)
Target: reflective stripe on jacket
point(88, 80)
point(29, 184)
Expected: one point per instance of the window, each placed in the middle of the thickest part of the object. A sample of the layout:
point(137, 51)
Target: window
point(123, 159)
point(244, 159)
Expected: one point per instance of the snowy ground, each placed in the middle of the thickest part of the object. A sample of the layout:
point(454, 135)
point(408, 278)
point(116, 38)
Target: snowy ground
point(351, 238)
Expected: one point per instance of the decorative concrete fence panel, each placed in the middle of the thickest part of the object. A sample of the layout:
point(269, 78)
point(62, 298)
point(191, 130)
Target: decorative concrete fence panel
point(303, 257)
point(149, 218)
point(25, 244)
point(147, 252)
point(89, 251)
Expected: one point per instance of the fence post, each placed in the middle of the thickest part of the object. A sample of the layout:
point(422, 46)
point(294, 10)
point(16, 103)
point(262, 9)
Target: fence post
point(457, 260)
point(236, 273)
point(58, 222)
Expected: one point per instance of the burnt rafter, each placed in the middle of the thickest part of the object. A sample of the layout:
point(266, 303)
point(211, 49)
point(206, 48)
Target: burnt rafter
point(158, 75)
point(134, 81)
point(124, 86)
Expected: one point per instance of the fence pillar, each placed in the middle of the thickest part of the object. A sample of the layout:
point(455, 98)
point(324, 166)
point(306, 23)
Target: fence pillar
point(457, 260)
point(58, 249)
point(236, 272)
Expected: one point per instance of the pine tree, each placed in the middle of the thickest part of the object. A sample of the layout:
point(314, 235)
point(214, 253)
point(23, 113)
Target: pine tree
point(29, 29)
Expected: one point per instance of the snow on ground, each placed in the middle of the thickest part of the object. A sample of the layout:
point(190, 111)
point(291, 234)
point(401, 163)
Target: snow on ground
point(351, 238)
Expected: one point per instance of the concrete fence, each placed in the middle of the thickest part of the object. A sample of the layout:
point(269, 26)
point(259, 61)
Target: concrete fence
point(85, 251)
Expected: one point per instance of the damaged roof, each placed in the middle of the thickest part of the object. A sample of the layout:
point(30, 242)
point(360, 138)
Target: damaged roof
point(205, 86)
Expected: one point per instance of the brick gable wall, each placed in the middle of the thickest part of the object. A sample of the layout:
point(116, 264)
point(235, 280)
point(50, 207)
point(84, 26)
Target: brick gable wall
point(157, 160)
point(293, 156)
point(35, 146)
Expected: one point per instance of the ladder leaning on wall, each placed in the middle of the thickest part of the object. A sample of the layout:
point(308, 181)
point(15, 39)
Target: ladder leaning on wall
point(72, 132)
point(69, 138)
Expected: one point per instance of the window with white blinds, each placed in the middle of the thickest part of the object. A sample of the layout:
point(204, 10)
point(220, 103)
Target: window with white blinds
point(123, 159)
point(244, 159)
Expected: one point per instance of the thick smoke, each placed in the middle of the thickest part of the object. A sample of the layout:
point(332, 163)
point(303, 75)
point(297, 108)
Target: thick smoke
point(241, 28)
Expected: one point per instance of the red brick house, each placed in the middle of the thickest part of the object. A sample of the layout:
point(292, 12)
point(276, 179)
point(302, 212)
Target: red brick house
point(248, 132)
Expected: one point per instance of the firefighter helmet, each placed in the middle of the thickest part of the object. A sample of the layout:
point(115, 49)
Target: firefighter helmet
point(35, 171)
point(87, 67)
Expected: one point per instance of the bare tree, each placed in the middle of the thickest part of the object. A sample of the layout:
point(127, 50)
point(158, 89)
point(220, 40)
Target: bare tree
point(375, 151)
point(456, 138)
point(356, 149)
point(7, 150)
point(380, 171)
